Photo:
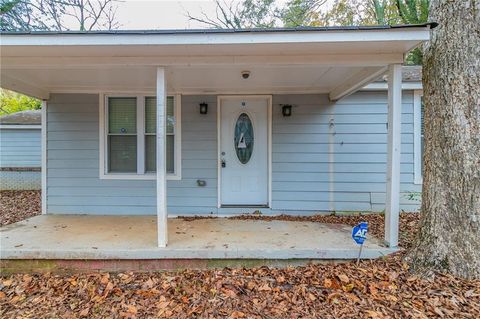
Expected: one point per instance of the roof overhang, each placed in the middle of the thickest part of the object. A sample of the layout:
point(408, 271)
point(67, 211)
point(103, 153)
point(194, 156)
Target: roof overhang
point(336, 61)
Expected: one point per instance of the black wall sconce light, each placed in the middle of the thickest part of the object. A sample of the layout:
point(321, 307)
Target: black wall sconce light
point(286, 110)
point(203, 108)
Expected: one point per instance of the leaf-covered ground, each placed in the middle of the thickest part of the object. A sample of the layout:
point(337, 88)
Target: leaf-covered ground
point(381, 288)
point(19, 205)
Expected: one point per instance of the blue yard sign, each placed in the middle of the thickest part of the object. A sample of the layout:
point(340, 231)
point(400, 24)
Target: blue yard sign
point(359, 233)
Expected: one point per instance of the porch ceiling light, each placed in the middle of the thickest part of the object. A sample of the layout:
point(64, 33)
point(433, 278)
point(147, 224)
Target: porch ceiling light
point(203, 108)
point(286, 110)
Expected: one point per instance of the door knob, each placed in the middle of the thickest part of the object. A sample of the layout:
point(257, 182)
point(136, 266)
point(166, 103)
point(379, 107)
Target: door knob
point(224, 164)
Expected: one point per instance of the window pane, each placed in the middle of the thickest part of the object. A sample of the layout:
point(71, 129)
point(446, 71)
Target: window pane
point(150, 153)
point(122, 115)
point(122, 153)
point(243, 138)
point(170, 115)
point(170, 154)
point(151, 113)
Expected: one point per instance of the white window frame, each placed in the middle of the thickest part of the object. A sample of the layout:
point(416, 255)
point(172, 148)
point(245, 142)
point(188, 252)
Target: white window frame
point(103, 137)
point(417, 136)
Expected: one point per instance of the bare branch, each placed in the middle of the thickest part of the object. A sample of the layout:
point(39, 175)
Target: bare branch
point(51, 14)
point(236, 15)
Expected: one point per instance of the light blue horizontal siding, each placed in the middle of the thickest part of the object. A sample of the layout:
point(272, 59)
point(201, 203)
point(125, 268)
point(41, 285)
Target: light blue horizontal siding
point(199, 153)
point(319, 206)
point(362, 138)
point(359, 157)
point(313, 128)
point(326, 156)
point(20, 148)
point(73, 184)
point(73, 162)
point(333, 156)
point(350, 186)
point(339, 177)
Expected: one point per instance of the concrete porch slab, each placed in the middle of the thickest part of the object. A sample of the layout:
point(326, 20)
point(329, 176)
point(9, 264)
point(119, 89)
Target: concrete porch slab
point(134, 237)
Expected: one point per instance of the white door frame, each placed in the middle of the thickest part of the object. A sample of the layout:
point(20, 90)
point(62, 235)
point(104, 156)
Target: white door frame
point(221, 98)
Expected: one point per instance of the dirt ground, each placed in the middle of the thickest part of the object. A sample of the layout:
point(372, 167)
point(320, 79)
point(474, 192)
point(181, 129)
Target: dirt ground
point(381, 288)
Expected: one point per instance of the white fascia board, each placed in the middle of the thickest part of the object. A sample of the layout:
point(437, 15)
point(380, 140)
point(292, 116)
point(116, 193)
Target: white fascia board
point(411, 34)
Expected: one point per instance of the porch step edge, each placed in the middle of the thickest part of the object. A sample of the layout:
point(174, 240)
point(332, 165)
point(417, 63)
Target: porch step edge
point(187, 254)
point(14, 266)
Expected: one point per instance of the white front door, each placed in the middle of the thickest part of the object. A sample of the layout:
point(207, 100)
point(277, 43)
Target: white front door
point(243, 152)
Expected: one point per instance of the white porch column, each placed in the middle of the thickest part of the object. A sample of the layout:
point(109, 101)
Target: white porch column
point(392, 209)
point(44, 155)
point(162, 217)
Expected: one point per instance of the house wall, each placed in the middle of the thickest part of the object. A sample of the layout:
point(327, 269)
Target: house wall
point(333, 156)
point(73, 184)
point(20, 159)
point(326, 157)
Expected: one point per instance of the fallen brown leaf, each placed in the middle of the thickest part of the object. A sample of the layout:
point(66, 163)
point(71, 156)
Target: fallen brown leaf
point(381, 288)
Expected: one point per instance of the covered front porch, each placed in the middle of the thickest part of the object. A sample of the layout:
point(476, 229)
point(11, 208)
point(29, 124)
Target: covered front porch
point(73, 72)
point(135, 237)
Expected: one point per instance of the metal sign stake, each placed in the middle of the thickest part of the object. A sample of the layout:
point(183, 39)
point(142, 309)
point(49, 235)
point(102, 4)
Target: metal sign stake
point(359, 254)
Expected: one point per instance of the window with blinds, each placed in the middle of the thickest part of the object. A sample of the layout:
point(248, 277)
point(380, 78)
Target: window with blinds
point(122, 134)
point(124, 137)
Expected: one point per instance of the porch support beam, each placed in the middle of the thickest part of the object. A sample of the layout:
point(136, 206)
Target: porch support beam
point(356, 81)
point(162, 217)
point(23, 87)
point(392, 208)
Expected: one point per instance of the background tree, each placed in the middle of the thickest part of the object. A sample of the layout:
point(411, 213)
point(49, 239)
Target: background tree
point(238, 15)
point(346, 13)
point(11, 102)
point(449, 237)
point(296, 13)
point(413, 12)
point(342, 12)
point(379, 7)
point(361, 12)
point(58, 15)
point(301, 13)
point(21, 15)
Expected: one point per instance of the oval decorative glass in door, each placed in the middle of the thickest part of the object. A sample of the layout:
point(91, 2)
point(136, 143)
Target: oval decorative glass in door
point(243, 138)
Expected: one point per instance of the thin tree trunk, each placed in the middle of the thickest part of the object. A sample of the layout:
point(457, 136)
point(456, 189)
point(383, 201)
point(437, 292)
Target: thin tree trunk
point(449, 238)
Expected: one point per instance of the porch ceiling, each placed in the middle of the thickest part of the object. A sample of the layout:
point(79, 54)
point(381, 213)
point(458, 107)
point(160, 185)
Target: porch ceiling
point(315, 61)
point(186, 80)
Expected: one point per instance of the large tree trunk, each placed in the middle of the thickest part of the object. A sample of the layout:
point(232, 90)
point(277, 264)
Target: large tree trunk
point(449, 238)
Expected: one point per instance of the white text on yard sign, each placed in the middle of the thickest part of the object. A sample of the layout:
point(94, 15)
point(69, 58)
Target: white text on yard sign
point(359, 233)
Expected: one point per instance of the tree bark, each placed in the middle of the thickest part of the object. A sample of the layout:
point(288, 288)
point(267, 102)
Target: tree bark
point(449, 235)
